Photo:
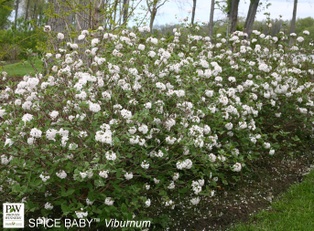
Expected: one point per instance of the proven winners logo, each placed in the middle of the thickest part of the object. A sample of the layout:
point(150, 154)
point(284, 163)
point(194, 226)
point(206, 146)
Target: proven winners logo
point(13, 215)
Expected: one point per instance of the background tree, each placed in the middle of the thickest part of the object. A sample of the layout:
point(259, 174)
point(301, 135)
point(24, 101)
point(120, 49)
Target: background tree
point(193, 11)
point(17, 7)
point(125, 10)
point(68, 15)
point(6, 7)
point(233, 6)
point(153, 6)
point(90, 14)
point(293, 20)
point(211, 18)
point(294, 17)
point(26, 6)
point(35, 11)
point(251, 16)
point(57, 16)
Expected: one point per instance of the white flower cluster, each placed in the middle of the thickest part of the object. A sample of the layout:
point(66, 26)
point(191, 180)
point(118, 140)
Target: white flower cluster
point(61, 174)
point(185, 164)
point(128, 175)
point(104, 173)
point(44, 178)
point(197, 186)
point(237, 167)
point(104, 137)
point(5, 160)
point(89, 174)
point(48, 206)
point(110, 155)
point(81, 214)
point(35, 133)
point(109, 201)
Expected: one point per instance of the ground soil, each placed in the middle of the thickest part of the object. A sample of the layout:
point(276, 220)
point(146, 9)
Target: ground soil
point(233, 204)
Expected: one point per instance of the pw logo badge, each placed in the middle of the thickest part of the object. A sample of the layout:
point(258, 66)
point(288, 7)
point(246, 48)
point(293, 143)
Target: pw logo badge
point(13, 215)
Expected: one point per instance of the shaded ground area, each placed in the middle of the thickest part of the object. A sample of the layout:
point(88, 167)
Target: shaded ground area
point(233, 204)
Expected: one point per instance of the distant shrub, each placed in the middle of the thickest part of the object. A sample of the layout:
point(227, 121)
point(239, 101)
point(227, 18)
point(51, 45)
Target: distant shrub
point(15, 43)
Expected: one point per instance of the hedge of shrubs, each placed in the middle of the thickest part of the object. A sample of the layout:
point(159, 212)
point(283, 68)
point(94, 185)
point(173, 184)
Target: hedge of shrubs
point(129, 126)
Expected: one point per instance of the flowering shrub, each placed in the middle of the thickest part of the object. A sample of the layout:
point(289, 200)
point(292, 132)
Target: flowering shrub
point(127, 125)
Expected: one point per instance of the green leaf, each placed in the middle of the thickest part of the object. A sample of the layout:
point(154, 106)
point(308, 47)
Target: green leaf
point(99, 183)
point(65, 208)
point(68, 192)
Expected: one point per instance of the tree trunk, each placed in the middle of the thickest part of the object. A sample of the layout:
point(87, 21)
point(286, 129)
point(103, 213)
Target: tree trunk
point(233, 15)
point(294, 17)
point(193, 12)
point(211, 18)
point(152, 18)
point(27, 10)
point(17, 5)
point(153, 7)
point(251, 16)
point(85, 16)
point(34, 16)
point(40, 14)
point(56, 19)
point(90, 17)
point(99, 15)
point(125, 11)
point(115, 12)
point(293, 20)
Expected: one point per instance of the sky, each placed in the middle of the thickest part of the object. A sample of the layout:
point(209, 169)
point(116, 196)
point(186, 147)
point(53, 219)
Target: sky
point(175, 10)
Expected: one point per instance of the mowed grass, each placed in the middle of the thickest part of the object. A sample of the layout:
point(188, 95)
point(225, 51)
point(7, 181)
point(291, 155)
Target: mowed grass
point(22, 68)
point(294, 210)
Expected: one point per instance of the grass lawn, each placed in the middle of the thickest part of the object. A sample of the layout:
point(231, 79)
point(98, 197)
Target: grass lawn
point(22, 68)
point(294, 210)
